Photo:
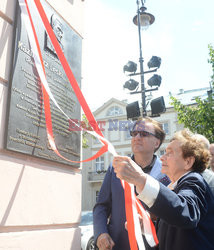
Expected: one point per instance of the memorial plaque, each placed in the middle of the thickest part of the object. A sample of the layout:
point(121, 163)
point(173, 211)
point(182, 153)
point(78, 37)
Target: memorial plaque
point(26, 131)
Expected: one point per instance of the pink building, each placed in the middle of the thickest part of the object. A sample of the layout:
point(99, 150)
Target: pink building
point(40, 199)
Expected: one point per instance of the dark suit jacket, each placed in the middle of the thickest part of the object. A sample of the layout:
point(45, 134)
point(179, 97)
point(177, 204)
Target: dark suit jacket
point(111, 203)
point(186, 215)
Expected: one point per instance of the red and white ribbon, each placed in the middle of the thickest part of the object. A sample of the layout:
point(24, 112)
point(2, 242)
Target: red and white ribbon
point(133, 206)
point(133, 224)
point(149, 228)
point(26, 15)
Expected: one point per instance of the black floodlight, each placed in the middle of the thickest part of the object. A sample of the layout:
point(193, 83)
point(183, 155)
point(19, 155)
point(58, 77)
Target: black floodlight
point(154, 62)
point(157, 106)
point(131, 84)
point(155, 80)
point(130, 67)
point(133, 110)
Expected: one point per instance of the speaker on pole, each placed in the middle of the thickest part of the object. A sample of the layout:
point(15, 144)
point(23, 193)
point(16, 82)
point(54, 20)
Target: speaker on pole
point(158, 106)
point(133, 110)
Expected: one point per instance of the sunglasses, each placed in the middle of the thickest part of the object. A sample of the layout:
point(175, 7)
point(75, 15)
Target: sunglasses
point(141, 133)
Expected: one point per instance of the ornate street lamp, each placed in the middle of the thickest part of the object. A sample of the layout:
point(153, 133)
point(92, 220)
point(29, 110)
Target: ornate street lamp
point(142, 20)
point(146, 19)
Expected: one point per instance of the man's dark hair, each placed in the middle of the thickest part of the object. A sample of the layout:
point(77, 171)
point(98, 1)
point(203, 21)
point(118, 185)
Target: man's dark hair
point(159, 132)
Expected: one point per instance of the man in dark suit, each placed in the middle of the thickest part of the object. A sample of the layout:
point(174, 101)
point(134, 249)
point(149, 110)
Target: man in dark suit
point(186, 209)
point(109, 211)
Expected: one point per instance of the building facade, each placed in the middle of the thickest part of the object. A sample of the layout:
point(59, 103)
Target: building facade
point(112, 118)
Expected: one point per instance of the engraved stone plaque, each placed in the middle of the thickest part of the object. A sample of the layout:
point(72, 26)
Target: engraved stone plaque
point(26, 128)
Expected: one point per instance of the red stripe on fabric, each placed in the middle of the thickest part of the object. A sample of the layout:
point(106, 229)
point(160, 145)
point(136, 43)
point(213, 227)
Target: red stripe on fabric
point(153, 230)
point(129, 217)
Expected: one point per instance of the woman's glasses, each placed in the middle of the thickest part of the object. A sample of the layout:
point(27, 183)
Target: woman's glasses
point(141, 133)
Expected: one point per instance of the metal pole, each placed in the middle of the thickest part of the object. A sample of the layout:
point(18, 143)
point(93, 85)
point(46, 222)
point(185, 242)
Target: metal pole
point(141, 64)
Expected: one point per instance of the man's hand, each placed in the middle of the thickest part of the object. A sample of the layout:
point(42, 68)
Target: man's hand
point(126, 169)
point(105, 242)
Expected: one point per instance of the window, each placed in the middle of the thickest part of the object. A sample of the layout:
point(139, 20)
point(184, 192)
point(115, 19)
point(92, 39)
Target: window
point(99, 164)
point(114, 111)
point(127, 134)
point(162, 152)
point(165, 126)
point(97, 194)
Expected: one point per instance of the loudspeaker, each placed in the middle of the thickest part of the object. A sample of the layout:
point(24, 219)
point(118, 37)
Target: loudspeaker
point(158, 106)
point(133, 110)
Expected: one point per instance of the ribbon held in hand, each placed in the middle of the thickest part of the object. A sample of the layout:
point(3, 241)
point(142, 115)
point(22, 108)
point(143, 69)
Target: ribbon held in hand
point(132, 205)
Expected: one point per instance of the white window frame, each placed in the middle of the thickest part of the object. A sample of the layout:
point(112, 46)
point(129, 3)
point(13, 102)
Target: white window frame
point(99, 164)
point(114, 111)
point(162, 151)
point(96, 195)
point(127, 135)
point(165, 126)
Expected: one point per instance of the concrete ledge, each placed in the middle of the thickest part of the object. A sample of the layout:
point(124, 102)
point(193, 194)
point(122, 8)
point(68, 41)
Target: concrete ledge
point(42, 240)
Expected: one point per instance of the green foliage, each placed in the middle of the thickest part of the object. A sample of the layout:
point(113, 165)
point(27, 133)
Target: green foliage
point(211, 61)
point(84, 139)
point(200, 117)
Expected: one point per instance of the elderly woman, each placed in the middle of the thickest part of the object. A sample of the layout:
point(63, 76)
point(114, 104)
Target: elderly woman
point(186, 210)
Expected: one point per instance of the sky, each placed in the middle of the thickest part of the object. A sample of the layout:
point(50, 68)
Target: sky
point(180, 36)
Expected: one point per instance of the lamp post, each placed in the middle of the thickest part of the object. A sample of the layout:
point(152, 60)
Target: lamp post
point(142, 19)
